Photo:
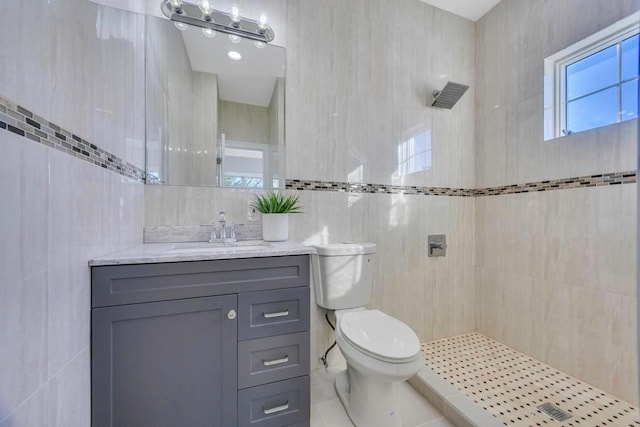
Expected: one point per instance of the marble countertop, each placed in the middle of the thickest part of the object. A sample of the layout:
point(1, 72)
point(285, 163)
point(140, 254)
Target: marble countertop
point(150, 253)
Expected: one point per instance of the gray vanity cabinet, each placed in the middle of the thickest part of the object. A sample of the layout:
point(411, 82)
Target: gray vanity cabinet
point(148, 357)
point(203, 343)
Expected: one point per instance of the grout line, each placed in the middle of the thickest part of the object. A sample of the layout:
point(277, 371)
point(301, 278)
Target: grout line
point(511, 385)
point(44, 384)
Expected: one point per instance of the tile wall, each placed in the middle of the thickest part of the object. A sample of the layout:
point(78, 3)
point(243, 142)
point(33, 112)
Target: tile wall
point(512, 41)
point(556, 270)
point(359, 75)
point(81, 67)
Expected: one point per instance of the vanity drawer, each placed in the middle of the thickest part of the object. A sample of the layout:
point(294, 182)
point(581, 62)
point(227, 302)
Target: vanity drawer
point(268, 313)
point(136, 283)
point(272, 359)
point(275, 405)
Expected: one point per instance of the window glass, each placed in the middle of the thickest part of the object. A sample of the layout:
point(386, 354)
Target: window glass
point(630, 58)
point(629, 100)
point(593, 82)
point(599, 109)
point(592, 73)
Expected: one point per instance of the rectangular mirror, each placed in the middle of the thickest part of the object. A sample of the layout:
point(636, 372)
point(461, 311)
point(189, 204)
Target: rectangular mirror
point(215, 108)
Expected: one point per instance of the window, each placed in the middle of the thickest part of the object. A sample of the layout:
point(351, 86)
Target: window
point(594, 82)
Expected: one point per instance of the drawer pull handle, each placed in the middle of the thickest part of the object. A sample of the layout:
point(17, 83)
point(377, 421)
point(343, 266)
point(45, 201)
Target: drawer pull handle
point(276, 409)
point(278, 314)
point(276, 361)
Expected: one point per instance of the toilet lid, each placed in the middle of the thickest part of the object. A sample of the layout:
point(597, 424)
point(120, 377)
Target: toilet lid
point(380, 335)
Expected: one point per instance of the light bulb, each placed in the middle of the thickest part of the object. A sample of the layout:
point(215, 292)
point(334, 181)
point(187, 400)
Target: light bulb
point(206, 9)
point(181, 26)
point(208, 32)
point(262, 24)
point(234, 39)
point(259, 45)
point(236, 56)
point(176, 4)
point(235, 15)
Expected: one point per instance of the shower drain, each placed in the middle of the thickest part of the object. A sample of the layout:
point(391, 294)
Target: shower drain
point(554, 412)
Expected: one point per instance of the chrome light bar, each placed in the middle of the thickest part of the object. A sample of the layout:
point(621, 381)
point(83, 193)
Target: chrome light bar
point(207, 18)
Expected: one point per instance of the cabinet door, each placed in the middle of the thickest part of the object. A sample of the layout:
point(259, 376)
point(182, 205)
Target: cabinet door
point(170, 363)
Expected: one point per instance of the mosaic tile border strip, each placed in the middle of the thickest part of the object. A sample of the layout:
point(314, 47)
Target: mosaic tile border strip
point(615, 178)
point(511, 385)
point(356, 187)
point(598, 180)
point(21, 121)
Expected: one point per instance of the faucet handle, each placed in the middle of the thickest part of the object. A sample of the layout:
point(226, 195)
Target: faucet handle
point(230, 234)
point(215, 234)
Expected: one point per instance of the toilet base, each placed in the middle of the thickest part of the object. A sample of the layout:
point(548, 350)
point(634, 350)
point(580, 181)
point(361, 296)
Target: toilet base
point(372, 403)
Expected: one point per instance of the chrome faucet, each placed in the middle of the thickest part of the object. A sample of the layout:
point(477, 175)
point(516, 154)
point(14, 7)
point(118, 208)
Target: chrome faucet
point(224, 233)
point(222, 220)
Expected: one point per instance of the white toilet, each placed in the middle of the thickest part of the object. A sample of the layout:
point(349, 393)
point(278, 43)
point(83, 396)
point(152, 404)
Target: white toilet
point(380, 350)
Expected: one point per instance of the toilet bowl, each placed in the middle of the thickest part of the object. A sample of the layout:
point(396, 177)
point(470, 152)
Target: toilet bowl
point(380, 350)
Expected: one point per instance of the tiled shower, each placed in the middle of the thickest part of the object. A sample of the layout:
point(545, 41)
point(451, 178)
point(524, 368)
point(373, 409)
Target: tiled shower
point(542, 235)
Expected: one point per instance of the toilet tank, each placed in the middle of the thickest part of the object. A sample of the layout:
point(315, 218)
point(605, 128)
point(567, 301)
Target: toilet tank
point(343, 274)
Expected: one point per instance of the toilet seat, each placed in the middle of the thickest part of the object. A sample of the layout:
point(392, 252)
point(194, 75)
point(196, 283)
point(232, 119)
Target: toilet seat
point(380, 336)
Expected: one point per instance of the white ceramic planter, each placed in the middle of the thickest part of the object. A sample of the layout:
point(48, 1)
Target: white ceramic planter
point(275, 227)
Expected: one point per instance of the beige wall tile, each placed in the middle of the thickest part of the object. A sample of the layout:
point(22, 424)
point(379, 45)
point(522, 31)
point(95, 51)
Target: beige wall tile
point(565, 290)
point(512, 41)
point(82, 67)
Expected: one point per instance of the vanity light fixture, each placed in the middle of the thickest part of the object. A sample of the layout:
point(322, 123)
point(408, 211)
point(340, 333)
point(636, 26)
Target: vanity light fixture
point(212, 20)
point(235, 16)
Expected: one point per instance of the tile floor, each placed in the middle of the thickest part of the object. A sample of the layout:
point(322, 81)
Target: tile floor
point(327, 411)
point(511, 385)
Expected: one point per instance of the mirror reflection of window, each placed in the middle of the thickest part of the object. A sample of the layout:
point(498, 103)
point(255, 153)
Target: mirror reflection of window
point(244, 167)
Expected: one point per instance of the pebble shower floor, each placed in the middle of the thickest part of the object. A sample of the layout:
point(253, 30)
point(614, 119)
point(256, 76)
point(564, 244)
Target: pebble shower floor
point(511, 385)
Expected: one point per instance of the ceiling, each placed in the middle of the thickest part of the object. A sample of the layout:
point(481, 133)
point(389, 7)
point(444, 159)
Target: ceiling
point(248, 81)
point(470, 9)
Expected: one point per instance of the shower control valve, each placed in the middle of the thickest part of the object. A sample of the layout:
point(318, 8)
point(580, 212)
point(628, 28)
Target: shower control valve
point(437, 245)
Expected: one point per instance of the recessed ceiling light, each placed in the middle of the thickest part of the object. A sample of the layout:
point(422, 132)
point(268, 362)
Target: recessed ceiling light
point(208, 32)
point(234, 55)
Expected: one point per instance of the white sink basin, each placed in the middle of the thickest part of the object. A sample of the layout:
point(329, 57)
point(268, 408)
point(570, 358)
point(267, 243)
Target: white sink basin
point(207, 248)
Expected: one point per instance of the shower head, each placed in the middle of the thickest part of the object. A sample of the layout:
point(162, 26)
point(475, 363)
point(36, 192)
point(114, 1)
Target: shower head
point(447, 97)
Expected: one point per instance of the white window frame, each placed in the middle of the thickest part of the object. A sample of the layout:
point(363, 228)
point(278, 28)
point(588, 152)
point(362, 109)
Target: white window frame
point(555, 69)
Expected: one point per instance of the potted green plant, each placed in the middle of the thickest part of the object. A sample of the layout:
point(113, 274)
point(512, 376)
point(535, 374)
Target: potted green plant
point(275, 208)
